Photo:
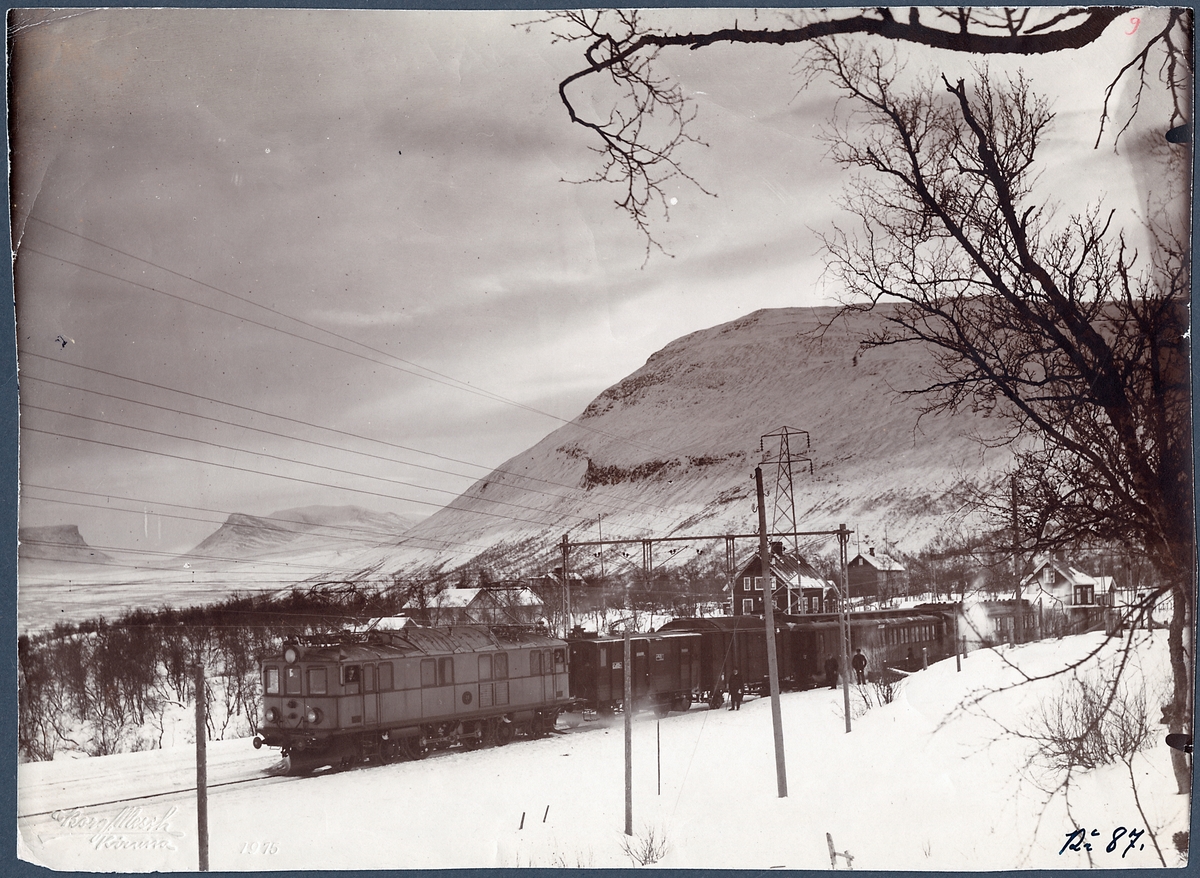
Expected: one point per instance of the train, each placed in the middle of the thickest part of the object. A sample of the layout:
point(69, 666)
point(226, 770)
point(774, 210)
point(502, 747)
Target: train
point(894, 642)
point(386, 695)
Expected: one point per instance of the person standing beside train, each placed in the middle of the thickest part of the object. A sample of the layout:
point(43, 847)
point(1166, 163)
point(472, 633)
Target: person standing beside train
point(735, 691)
point(859, 663)
point(831, 671)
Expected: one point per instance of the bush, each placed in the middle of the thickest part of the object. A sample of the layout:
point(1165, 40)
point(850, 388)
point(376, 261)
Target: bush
point(1092, 722)
point(646, 848)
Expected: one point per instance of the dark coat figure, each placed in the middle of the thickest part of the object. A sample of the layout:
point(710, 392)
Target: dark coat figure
point(831, 672)
point(910, 663)
point(859, 663)
point(735, 691)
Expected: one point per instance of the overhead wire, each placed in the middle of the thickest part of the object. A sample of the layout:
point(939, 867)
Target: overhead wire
point(433, 375)
point(325, 445)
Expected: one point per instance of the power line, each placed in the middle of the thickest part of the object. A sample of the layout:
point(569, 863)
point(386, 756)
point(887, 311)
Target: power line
point(269, 456)
point(404, 537)
point(307, 441)
point(278, 475)
point(434, 376)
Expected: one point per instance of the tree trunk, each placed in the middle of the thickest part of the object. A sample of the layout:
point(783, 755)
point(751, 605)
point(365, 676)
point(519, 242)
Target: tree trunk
point(1177, 714)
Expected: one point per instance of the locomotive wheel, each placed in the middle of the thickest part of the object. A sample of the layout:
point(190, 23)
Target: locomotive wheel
point(414, 749)
point(475, 737)
point(504, 733)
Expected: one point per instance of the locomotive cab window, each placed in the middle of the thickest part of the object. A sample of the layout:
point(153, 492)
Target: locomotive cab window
point(353, 679)
point(560, 661)
point(271, 681)
point(292, 680)
point(317, 681)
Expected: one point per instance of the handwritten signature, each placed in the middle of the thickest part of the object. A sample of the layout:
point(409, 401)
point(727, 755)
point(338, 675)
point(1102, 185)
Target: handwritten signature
point(1077, 840)
point(131, 829)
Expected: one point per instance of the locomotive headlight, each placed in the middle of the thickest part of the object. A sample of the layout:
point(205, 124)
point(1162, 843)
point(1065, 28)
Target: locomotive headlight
point(313, 715)
point(290, 655)
point(272, 715)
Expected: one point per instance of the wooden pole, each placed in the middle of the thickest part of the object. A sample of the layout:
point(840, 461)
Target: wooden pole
point(201, 771)
point(764, 554)
point(843, 544)
point(566, 552)
point(628, 733)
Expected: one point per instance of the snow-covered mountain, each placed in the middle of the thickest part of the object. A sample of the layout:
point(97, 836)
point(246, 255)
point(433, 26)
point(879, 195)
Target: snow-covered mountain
point(671, 450)
point(250, 537)
point(57, 543)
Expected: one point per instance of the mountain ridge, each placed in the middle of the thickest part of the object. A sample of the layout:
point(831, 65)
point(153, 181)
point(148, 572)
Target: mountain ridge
point(670, 450)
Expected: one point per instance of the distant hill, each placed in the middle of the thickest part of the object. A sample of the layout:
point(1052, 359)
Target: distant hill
point(345, 528)
point(62, 543)
point(671, 449)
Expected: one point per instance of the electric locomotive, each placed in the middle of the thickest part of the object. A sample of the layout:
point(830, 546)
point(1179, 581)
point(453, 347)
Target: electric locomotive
point(399, 694)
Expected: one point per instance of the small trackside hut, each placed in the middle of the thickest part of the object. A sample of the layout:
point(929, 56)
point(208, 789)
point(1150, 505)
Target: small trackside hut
point(395, 694)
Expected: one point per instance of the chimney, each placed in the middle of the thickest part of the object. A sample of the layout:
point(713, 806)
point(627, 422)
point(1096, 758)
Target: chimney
point(777, 548)
point(871, 551)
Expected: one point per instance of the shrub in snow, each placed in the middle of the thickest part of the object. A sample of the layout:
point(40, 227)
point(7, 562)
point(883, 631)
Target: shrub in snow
point(1091, 722)
point(647, 847)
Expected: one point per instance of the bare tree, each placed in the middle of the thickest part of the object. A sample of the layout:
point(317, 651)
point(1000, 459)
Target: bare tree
point(1054, 326)
point(644, 121)
point(1057, 327)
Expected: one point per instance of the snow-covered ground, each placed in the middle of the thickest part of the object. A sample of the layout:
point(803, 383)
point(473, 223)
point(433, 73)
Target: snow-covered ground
point(922, 783)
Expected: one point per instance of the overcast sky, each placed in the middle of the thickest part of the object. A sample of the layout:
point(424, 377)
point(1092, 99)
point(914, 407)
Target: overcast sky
point(307, 225)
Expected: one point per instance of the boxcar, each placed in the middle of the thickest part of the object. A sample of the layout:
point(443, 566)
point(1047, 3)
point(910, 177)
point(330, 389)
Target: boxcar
point(402, 693)
point(665, 671)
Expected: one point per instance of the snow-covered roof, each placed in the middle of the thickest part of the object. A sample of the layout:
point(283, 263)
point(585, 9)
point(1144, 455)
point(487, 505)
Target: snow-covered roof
point(880, 561)
point(1071, 575)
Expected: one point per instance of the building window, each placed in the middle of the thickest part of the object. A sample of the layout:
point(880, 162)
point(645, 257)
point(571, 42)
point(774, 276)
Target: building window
point(1085, 594)
point(747, 606)
point(758, 583)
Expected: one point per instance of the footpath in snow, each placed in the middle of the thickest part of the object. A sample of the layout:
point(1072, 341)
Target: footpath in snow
point(939, 779)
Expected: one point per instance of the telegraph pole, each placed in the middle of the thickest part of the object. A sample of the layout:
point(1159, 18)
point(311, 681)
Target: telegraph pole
point(843, 544)
point(628, 732)
point(764, 554)
point(566, 552)
point(201, 771)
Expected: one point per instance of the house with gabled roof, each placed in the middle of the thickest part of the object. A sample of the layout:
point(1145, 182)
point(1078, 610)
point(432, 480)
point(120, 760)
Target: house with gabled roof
point(1055, 583)
point(798, 587)
point(503, 605)
point(875, 574)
